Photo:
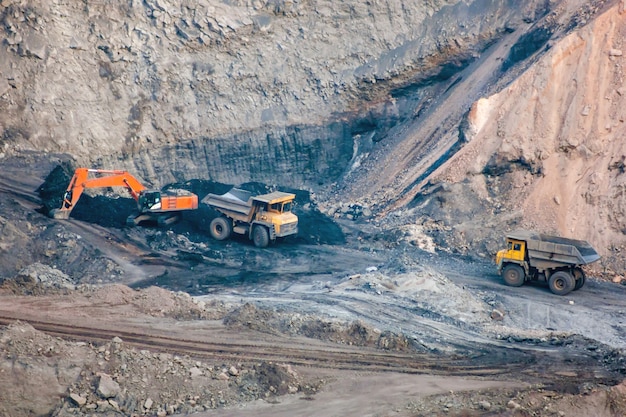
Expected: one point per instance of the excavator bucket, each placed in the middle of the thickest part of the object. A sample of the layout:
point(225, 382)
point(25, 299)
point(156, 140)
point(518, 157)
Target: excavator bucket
point(59, 214)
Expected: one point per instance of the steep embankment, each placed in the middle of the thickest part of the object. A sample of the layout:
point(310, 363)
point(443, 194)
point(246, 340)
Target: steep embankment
point(230, 91)
point(548, 151)
point(371, 96)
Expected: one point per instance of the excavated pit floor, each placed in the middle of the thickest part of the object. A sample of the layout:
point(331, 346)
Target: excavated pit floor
point(335, 271)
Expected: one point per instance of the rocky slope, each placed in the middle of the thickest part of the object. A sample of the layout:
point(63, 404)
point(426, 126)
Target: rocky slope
point(230, 91)
point(364, 100)
point(547, 152)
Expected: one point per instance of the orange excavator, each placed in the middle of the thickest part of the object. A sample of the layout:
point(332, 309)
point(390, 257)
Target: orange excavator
point(162, 207)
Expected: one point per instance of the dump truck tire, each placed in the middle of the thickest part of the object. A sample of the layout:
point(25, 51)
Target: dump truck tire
point(513, 275)
point(220, 228)
point(561, 283)
point(260, 236)
point(579, 277)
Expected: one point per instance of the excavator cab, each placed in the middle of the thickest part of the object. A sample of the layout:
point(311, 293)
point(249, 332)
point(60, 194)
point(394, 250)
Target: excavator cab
point(67, 199)
point(150, 201)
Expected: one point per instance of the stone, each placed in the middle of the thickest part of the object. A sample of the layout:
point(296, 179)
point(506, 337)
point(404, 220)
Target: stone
point(485, 405)
point(233, 371)
point(107, 387)
point(47, 276)
point(513, 405)
point(615, 52)
point(78, 400)
point(114, 404)
point(33, 45)
point(103, 405)
point(223, 377)
point(195, 372)
point(586, 110)
point(497, 315)
point(148, 404)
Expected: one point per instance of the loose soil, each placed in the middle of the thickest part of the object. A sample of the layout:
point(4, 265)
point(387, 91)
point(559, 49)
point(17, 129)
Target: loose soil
point(447, 335)
point(387, 302)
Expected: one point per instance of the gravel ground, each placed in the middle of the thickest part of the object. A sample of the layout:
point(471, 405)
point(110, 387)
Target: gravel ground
point(351, 283)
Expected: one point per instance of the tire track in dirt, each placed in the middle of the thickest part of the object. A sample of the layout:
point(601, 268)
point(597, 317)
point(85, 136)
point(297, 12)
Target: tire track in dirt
point(535, 360)
point(324, 356)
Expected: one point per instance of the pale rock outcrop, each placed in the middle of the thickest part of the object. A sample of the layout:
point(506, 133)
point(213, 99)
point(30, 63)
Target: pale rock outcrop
point(551, 143)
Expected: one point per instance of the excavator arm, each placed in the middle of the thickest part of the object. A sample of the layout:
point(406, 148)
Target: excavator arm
point(104, 178)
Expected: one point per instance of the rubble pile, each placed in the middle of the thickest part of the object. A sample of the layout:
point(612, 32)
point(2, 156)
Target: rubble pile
point(44, 375)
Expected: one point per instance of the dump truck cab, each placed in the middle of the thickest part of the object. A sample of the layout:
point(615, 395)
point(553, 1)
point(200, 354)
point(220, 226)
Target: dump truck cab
point(532, 256)
point(274, 210)
point(515, 252)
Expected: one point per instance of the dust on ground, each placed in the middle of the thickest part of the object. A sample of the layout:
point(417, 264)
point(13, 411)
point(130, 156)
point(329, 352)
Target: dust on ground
point(111, 378)
point(389, 288)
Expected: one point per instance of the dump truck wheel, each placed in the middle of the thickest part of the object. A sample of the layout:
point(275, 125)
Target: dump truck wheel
point(580, 278)
point(220, 228)
point(561, 283)
point(513, 275)
point(260, 236)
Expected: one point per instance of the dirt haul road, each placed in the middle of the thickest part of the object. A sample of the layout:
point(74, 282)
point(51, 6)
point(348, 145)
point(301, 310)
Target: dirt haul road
point(363, 321)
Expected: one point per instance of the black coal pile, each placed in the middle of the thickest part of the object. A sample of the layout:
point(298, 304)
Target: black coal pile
point(52, 190)
point(105, 210)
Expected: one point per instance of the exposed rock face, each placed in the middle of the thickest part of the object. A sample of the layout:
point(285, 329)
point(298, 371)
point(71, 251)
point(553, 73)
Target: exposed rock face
point(371, 96)
point(230, 91)
point(548, 150)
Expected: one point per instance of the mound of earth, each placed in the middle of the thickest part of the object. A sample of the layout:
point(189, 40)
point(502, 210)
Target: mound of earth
point(153, 301)
point(43, 375)
point(38, 278)
point(354, 333)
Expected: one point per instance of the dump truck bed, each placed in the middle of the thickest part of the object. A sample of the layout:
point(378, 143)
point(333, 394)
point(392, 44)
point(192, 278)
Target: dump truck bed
point(237, 203)
point(545, 251)
point(234, 200)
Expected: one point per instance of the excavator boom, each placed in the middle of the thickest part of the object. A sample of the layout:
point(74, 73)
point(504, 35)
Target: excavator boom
point(107, 178)
point(151, 204)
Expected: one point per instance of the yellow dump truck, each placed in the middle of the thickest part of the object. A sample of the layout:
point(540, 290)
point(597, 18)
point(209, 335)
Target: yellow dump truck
point(532, 256)
point(262, 218)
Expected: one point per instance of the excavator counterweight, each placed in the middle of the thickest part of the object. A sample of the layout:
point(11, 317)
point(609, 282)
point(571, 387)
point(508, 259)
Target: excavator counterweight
point(164, 207)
